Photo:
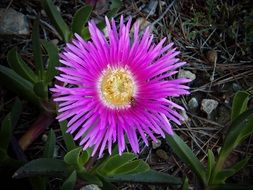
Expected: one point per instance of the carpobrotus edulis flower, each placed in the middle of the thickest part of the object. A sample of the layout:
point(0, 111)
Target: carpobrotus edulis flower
point(118, 86)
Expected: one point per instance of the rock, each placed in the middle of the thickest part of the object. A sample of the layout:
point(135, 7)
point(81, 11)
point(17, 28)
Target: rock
point(236, 87)
point(185, 116)
point(193, 103)
point(90, 187)
point(150, 8)
point(13, 23)
point(186, 74)
point(208, 106)
point(43, 13)
point(44, 138)
point(162, 154)
point(157, 144)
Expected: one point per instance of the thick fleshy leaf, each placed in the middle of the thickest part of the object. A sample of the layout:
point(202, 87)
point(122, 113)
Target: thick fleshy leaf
point(7, 125)
point(57, 20)
point(16, 111)
point(133, 167)
point(183, 151)
point(185, 185)
point(85, 33)
point(240, 129)
point(39, 69)
point(11, 80)
point(77, 157)
point(226, 173)
point(240, 103)
point(241, 164)
point(41, 90)
point(68, 139)
point(19, 66)
point(80, 19)
point(5, 132)
point(72, 157)
point(150, 177)
point(53, 60)
point(222, 175)
point(247, 129)
point(70, 182)
point(210, 164)
point(42, 167)
point(50, 145)
point(113, 163)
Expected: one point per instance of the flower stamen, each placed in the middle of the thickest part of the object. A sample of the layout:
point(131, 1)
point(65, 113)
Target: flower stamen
point(117, 87)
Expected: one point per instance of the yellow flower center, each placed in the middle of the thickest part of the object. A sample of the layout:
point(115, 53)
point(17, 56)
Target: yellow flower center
point(117, 87)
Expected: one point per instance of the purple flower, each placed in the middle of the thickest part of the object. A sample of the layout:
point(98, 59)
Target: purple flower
point(118, 87)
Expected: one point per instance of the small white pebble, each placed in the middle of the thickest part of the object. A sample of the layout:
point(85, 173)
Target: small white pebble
point(208, 105)
point(186, 74)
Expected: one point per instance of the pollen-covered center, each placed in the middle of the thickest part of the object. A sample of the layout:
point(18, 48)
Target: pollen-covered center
point(117, 87)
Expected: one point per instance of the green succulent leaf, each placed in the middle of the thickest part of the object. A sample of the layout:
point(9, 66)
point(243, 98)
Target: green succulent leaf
point(150, 177)
point(53, 60)
point(185, 185)
point(240, 103)
point(42, 167)
point(72, 157)
point(241, 164)
point(223, 175)
point(183, 151)
point(226, 173)
point(240, 129)
point(16, 111)
point(133, 167)
point(41, 90)
point(70, 182)
point(5, 132)
point(77, 157)
point(85, 33)
point(14, 82)
point(7, 125)
point(80, 19)
point(85, 156)
point(211, 163)
point(19, 66)
point(50, 145)
point(109, 166)
point(37, 50)
point(68, 139)
point(57, 20)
